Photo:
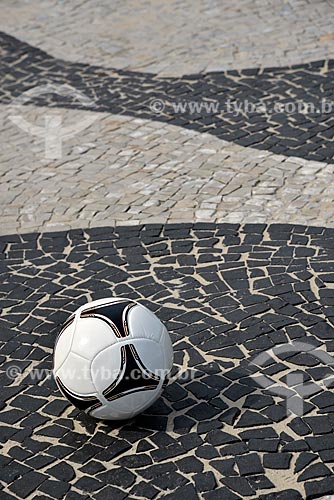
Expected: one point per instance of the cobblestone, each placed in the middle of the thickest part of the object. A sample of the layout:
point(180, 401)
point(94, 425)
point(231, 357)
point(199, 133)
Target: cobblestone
point(168, 174)
point(222, 303)
point(173, 38)
point(294, 132)
point(225, 291)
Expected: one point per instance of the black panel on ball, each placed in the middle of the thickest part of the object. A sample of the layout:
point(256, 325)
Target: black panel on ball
point(114, 314)
point(82, 402)
point(134, 378)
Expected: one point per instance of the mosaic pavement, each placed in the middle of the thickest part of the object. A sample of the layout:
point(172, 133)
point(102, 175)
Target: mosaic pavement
point(220, 431)
point(185, 205)
point(161, 165)
point(306, 135)
point(176, 38)
point(144, 171)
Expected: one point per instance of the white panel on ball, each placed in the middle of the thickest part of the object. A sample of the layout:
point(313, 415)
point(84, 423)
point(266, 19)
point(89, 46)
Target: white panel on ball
point(134, 403)
point(144, 324)
point(63, 346)
point(150, 354)
point(105, 367)
point(167, 349)
point(104, 413)
point(91, 336)
point(75, 374)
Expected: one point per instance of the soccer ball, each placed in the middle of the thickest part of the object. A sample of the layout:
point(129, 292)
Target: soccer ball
point(112, 358)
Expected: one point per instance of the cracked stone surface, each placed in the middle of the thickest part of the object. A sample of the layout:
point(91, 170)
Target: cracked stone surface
point(175, 38)
point(226, 293)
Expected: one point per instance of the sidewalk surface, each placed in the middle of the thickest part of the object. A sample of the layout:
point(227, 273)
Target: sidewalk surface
point(179, 154)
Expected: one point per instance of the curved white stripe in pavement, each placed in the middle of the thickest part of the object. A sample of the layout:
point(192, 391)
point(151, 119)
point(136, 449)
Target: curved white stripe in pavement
point(127, 171)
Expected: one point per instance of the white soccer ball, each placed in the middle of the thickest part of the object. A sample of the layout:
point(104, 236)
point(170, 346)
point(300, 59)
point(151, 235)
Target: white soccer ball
point(112, 358)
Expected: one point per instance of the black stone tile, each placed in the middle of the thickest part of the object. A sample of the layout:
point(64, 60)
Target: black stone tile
point(55, 489)
point(251, 418)
point(277, 460)
point(314, 489)
point(207, 452)
point(56, 407)
point(303, 460)
point(267, 445)
point(189, 465)
point(111, 493)
point(321, 443)
point(218, 437)
point(249, 464)
point(188, 491)
point(282, 495)
point(40, 461)
point(88, 484)
point(62, 471)
point(319, 424)
point(219, 493)
point(25, 485)
point(204, 481)
point(240, 485)
point(313, 471)
point(117, 476)
point(12, 471)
